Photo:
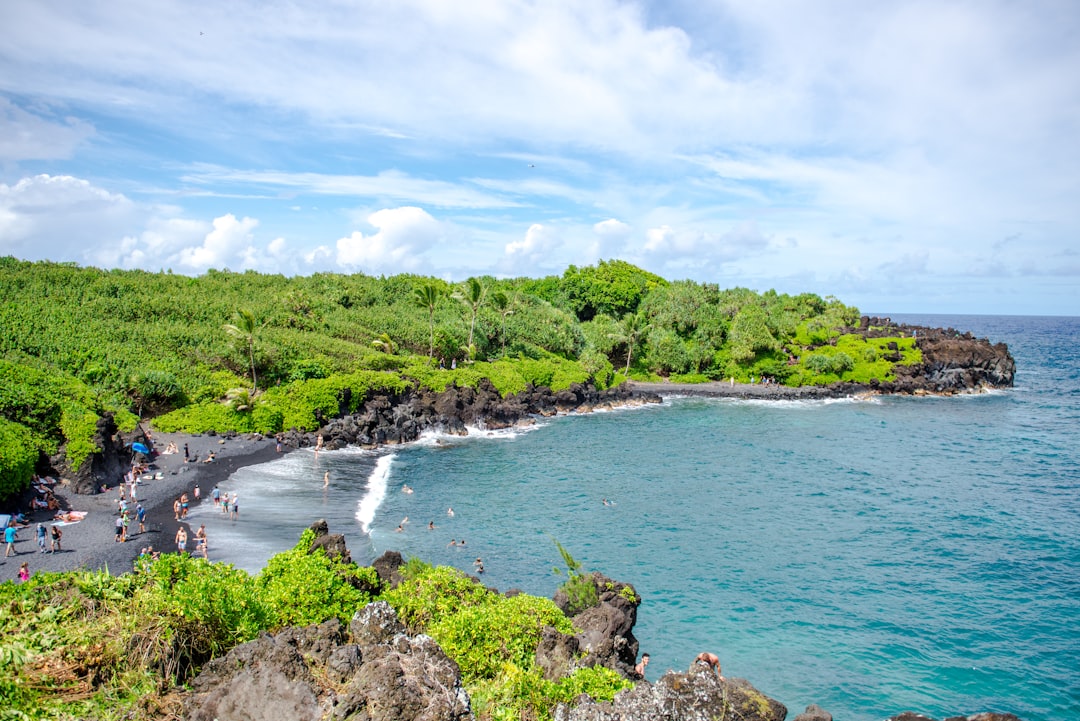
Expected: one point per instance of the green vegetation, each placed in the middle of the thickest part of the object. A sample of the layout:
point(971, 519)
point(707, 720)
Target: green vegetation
point(253, 352)
point(91, 645)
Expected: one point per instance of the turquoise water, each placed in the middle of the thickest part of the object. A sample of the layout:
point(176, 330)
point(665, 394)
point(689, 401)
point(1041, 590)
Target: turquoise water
point(871, 556)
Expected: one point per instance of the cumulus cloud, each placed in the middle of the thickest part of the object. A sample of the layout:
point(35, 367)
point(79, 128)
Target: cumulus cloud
point(531, 251)
point(58, 217)
point(402, 238)
point(609, 239)
point(674, 248)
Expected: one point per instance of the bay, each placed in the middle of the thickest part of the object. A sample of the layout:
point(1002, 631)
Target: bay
point(872, 556)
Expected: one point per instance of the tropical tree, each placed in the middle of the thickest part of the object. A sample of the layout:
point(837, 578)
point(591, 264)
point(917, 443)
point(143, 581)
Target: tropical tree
point(631, 328)
point(504, 304)
point(427, 296)
point(385, 344)
point(472, 295)
point(244, 329)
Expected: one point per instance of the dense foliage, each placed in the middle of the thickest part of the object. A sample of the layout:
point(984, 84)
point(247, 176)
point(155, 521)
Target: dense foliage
point(254, 352)
point(91, 645)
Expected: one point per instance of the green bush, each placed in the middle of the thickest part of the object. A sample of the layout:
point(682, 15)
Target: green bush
point(482, 638)
point(429, 594)
point(18, 453)
point(190, 611)
point(300, 588)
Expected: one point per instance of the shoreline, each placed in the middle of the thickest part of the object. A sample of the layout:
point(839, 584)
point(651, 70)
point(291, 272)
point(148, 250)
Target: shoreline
point(89, 544)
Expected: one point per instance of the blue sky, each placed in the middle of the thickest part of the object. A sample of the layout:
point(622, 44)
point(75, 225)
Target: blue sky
point(905, 157)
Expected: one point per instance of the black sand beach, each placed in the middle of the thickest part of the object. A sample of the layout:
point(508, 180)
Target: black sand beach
point(90, 543)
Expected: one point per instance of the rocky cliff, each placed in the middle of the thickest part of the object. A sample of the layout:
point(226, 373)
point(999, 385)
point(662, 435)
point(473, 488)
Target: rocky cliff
point(953, 362)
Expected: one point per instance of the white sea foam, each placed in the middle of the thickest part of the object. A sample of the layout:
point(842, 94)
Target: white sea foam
point(375, 492)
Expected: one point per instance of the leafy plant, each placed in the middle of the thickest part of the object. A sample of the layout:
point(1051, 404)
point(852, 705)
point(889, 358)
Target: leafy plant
point(579, 587)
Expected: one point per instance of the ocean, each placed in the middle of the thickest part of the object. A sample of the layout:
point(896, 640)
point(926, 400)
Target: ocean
point(872, 556)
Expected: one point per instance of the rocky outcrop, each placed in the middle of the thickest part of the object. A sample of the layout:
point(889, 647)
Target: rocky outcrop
point(697, 695)
point(374, 671)
point(814, 712)
point(392, 419)
point(605, 630)
point(953, 362)
point(103, 467)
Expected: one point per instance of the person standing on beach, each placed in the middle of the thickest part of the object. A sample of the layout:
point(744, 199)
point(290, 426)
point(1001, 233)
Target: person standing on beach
point(326, 479)
point(187, 457)
point(176, 509)
point(24, 572)
point(184, 503)
point(197, 492)
point(215, 495)
point(42, 534)
point(119, 529)
point(181, 539)
point(140, 514)
point(234, 507)
point(200, 541)
point(54, 546)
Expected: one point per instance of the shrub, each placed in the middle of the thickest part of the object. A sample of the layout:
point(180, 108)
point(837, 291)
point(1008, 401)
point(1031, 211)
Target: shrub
point(300, 588)
point(428, 594)
point(190, 611)
point(482, 638)
point(18, 452)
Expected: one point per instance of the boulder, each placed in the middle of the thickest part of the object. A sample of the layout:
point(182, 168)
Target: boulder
point(697, 695)
point(312, 673)
point(814, 712)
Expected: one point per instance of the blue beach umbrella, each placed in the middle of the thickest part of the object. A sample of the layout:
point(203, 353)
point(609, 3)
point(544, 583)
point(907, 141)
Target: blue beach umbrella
point(140, 448)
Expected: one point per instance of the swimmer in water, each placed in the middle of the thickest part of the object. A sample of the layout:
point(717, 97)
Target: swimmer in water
point(450, 512)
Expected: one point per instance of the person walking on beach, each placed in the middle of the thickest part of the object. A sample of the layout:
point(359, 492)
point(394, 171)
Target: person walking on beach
point(184, 503)
point(54, 545)
point(24, 572)
point(119, 529)
point(181, 539)
point(215, 495)
point(42, 534)
point(176, 509)
point(234, 507)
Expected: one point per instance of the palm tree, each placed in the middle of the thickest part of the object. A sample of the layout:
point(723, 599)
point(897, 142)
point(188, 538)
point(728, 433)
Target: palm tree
point(472, 295)
point(427, 296)
point(244, 329)
point(632, 327)
point(504, 305)
point(385, 343)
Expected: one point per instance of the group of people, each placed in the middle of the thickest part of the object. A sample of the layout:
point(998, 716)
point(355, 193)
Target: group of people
point(200, 541)
point(228, 502)
point(706, 659)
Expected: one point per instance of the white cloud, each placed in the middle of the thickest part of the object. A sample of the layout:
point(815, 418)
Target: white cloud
point(538, 241)
point(29, 136)
point(689, 248)
point(404, 235)
point(228, 244)
point(59, 217)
